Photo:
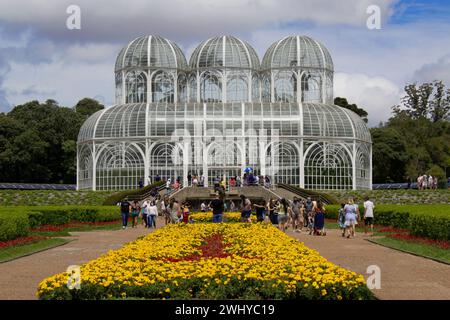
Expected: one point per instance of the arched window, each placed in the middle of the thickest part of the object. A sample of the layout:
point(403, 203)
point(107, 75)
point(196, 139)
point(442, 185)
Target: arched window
point(182, 88)
point(237, 88)
point(85, 166)
point(283, 163)
point(328, 166)
point(210, 87)
point(192, 88)
point(119, 88)
point(166, 161)
point(285, 86)
point(255, 88)
point(136, 87)
point(311, 88)
point(119, 166)
point(162, 87)
point(265, 94)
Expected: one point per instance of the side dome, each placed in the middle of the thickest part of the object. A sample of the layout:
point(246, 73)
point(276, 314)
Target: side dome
point(151, 52)
point(224, 52)
point(297, 51)
point(118, 121)
point(331, 121)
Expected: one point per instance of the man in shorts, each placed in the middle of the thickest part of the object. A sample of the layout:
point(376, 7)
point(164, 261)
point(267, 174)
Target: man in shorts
point(368, 215)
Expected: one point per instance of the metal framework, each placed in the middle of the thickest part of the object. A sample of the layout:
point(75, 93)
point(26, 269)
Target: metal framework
point(223, 113)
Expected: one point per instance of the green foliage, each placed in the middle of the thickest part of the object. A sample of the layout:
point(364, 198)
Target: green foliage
point(118, 196)
point(16, 221)
point(342, 102)
point(417, 137)
point(13, 226)
point(430, 221)
point(87, 107)
point(38, 141)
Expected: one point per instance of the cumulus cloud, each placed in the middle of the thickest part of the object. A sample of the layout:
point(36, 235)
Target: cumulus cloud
point(374, 94)
point(438, 70)
point(122, 19)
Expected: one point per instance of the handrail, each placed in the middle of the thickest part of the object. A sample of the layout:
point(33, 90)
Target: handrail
point(305, 194)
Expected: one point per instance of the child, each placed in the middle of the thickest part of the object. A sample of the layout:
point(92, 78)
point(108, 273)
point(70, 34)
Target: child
point(341, 219)
point(185, 213)
point(311, 222)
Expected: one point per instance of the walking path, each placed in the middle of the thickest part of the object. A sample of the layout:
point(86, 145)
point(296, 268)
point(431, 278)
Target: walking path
point(403, 276)
point(19, 278)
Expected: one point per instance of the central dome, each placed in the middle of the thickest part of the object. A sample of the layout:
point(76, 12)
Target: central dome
point(224, 52)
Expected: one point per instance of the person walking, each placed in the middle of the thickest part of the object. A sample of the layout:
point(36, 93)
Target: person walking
point(165, 210)
point(246, 209)
point(369, 208)
point(271, 207)
point(283, 214)
point(341, 219)
point(308, 210)
point(134, 213)
point(152, 214)
point(124, 212)
point(174, 211)
point(350, 218)
point(297, 219)
point(319, 220)
point(217, 207)
point(144, 211)
point(260, 210)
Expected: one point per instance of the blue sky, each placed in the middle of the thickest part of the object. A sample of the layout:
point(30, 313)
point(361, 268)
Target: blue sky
point(40, 58)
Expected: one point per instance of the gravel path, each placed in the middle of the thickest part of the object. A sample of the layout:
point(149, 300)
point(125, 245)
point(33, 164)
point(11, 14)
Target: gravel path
point(19, 278)
point(403, 276)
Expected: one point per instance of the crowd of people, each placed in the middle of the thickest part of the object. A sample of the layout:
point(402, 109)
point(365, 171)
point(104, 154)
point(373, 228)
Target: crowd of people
point(301, 215)
point(427, 182)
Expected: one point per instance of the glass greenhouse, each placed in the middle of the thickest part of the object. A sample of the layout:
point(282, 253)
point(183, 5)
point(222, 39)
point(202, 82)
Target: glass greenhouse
point(221, 113)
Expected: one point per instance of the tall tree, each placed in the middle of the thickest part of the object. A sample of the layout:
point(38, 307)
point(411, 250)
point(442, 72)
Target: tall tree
point(88, 106)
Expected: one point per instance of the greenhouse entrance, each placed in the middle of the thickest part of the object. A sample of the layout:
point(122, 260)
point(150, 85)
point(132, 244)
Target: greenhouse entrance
point(223, 172)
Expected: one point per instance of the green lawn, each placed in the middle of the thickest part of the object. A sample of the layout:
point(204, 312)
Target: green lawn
point(14, 252)
point(423, 250)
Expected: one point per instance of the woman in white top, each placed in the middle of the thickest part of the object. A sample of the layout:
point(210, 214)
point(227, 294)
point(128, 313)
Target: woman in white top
point(152, 213)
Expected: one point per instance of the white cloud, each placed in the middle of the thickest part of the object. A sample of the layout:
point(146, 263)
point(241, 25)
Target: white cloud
point(376, 95)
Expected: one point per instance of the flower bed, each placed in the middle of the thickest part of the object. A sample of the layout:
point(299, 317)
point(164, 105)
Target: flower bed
point(211, 261)
point(20, 241)
point(227, 217)
point(60, 227)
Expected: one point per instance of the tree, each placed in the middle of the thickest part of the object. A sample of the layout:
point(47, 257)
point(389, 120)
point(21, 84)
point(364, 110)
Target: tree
point(428, 100)
point(88, 106)
point(342, 102)
point(38, 141)
point(389, 155)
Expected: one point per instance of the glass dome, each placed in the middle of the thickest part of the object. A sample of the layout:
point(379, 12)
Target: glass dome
point(297, 51)
point(151, 52)
point(224, 51)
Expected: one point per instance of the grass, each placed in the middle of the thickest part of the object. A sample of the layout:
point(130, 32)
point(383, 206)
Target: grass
point(423, 250)
point(14, 252)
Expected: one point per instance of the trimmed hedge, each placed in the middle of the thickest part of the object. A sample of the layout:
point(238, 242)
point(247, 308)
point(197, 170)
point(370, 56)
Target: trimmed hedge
point(430, 221)
point(17, 221)
point(13, 226)
point(118, 196)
